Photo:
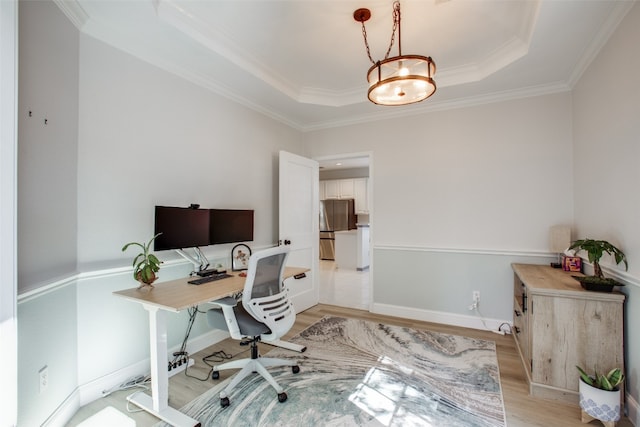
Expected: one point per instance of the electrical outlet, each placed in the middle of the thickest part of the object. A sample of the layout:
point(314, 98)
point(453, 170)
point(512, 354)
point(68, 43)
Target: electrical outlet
point(44, 378)
point(476, 297)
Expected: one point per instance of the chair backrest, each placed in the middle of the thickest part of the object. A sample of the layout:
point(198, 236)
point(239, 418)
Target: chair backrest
point(265, 296)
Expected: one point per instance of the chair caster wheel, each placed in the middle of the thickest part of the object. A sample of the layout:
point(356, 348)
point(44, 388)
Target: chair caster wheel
point(224, 401)
point(215, 375)
point(295, 369)
point(282, 397)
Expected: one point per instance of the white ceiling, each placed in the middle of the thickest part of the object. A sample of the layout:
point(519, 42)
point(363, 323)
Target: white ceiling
point(303, 62)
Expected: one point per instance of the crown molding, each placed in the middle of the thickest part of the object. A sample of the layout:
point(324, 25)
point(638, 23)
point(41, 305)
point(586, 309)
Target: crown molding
point(608, 28)
point(73, 11)
point(434, 105)
point(218, 42)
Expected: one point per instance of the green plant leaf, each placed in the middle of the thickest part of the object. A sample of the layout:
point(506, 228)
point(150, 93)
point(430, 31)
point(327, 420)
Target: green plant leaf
point(605, 384)
point(585, 377)
point(125, 247)
point(615, 377)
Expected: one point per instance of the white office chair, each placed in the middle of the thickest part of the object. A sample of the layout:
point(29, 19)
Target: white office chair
point(265, 314)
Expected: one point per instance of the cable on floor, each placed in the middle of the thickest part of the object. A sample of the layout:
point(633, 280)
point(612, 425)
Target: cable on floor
point(140, 381)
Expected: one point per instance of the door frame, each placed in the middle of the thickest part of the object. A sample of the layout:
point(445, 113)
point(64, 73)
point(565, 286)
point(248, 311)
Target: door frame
point(369, 156)
point(8, 210)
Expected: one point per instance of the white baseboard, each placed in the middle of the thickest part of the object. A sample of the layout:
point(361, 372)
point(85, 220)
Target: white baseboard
point(87, 393)
point(63, 413)
point(633, 410)
point(463, 320)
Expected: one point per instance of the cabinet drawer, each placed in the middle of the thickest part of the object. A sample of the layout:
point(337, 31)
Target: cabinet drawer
point(520, 333)
point(520, 293)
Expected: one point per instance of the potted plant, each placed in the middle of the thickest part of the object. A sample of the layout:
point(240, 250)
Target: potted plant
point(595, 250)
point(600, 396)
point(145, 264)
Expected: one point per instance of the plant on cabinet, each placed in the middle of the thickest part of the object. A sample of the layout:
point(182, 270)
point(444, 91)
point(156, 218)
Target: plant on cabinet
point(595, 249)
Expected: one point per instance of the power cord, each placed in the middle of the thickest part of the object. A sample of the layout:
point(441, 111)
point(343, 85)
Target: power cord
point(141, 381)
point(508, 328)
point(475, 306)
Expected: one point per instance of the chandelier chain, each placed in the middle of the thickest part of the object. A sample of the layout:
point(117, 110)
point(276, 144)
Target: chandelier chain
point(396, 24)
point(366, 43)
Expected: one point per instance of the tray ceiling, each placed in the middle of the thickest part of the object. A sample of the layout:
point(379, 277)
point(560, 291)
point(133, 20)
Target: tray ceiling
point(304, 62)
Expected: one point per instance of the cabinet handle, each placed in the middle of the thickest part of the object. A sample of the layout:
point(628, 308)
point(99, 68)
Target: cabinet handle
point(515, 328)
point(524, 302)
point(517, 313)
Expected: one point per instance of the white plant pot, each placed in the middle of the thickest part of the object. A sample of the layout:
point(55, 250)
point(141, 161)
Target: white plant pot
point(602, 405)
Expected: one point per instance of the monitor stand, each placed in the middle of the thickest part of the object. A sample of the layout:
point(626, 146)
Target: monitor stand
point(199, 261)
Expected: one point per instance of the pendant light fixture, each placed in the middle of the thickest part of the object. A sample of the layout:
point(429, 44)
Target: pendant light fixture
point(402, 79)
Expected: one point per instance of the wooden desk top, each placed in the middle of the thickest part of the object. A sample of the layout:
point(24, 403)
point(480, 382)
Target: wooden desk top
point(544, 280)
point(177, 295)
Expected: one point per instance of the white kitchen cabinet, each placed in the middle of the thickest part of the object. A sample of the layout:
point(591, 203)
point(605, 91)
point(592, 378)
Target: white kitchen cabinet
point(361, 195)
point(346, 188)
point(331, 189)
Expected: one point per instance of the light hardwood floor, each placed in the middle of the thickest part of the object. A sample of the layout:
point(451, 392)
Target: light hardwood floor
point(521, 409)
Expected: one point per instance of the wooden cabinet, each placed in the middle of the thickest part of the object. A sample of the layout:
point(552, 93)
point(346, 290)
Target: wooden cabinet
point(558, 325)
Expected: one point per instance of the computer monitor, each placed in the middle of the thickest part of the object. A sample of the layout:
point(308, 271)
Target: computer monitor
point(181, 228)
point(230, 226)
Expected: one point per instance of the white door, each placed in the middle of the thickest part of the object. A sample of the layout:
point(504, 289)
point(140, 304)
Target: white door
point(298, 225)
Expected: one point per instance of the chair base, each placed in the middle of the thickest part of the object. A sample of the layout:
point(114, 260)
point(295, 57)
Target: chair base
point(247, 367)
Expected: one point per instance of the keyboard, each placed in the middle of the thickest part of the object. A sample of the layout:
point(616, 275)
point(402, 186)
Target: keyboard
point(207, 279)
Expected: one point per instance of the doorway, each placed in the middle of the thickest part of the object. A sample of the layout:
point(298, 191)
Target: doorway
point(346, 280)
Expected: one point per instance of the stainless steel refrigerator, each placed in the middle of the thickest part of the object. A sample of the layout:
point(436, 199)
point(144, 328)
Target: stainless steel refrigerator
point(335, 215)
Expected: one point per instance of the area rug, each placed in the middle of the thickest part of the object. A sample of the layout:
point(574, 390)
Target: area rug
point(361, 373)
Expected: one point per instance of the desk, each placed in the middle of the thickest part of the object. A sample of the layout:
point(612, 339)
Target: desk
point(175, 296)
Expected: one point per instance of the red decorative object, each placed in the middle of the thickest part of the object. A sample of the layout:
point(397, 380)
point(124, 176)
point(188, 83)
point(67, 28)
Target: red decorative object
point(572, 263)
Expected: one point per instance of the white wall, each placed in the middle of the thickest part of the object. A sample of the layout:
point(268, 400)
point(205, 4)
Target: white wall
point(147, 137)
point(144, 137)
point(48, 153)
point(483, 182)
point(606, 112)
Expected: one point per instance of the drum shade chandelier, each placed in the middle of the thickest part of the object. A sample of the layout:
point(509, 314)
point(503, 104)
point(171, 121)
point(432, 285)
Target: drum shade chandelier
point(402, 79)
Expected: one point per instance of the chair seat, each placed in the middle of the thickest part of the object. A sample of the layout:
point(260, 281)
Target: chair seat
point(249, 326)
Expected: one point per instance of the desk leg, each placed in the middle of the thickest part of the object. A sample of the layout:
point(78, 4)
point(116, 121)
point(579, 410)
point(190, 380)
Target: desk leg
point(158, 403)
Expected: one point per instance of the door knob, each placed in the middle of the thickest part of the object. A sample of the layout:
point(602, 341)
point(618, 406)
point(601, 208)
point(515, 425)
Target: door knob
point(287, 242)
